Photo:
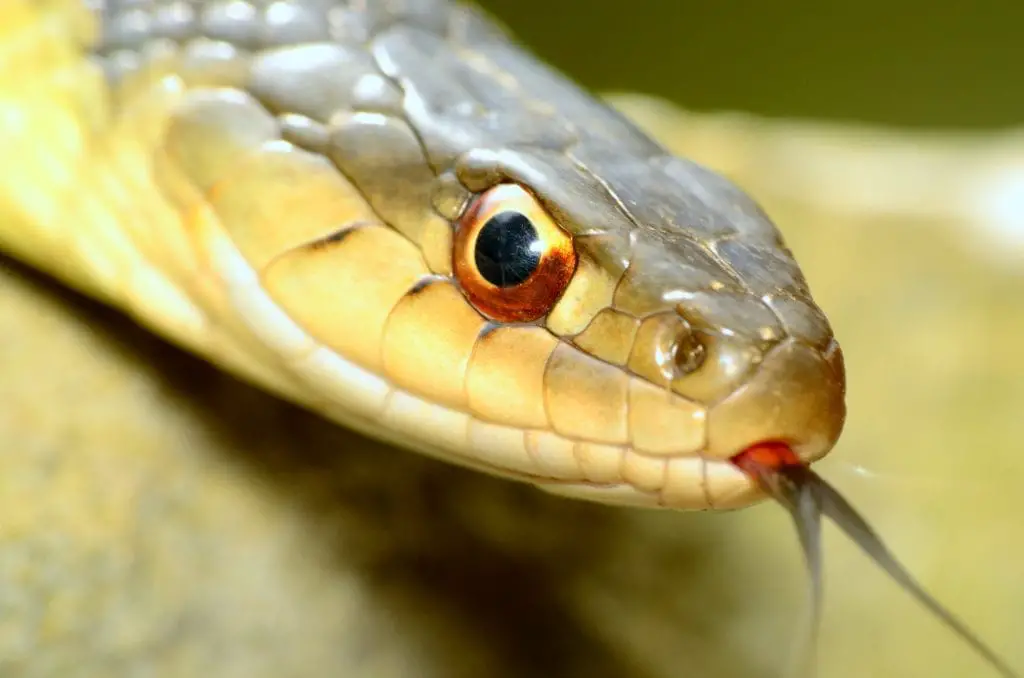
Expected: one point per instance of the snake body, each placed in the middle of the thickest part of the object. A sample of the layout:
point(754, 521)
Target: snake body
point(279, 187)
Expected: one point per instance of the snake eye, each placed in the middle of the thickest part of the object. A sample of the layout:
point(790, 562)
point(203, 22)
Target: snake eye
point(511, 259)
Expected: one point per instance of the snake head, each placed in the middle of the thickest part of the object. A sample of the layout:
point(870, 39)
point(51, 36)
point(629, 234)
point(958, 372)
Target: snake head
point(484, 263)
point(688, 331)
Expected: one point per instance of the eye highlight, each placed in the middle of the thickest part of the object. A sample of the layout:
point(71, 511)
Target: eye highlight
point(511, 259)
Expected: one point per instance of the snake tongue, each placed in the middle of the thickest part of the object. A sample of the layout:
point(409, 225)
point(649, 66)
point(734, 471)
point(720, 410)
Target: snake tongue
point(807, 497)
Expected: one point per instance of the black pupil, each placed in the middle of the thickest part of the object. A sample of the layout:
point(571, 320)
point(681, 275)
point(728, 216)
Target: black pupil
point(507, 249)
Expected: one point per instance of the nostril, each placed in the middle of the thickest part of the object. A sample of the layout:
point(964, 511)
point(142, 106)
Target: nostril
point(688, 354)
point(665, 349)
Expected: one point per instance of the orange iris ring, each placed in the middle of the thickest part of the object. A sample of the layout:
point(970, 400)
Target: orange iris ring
point(533, 298)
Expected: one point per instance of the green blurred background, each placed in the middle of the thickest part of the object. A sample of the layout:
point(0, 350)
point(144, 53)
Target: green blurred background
point(912, 63)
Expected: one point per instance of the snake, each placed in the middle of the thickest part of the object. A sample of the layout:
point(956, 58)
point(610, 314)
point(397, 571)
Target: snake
point(392, 214)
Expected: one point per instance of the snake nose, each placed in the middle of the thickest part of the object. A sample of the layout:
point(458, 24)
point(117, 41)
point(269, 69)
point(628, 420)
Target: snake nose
point(797, 396)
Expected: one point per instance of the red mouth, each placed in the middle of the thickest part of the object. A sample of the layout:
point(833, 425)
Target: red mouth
point(766, 456)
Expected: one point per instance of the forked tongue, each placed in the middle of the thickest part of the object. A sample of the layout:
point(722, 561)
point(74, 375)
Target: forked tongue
point(777, 469)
